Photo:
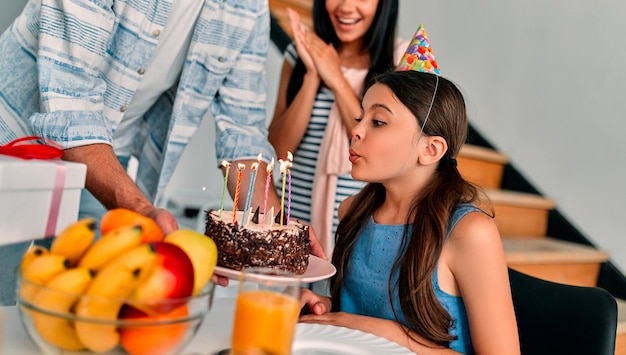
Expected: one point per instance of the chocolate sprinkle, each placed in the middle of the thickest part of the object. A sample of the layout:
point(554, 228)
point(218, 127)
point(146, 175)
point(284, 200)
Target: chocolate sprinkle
point(255, 217)
point(277, 219)
point(285, 248)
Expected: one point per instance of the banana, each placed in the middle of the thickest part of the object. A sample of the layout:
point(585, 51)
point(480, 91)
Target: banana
point(113, 283)
point(33, 252)
point(60, 294)
point(74, 240)
point(39, 272)
point(110, 245)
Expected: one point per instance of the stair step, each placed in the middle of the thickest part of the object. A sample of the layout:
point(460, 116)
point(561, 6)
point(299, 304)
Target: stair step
point(554, 260)
point(482, 166)
point(620, 340)
point(302, 7)
point(519, 213)
point(294, 4)
point(519, 199)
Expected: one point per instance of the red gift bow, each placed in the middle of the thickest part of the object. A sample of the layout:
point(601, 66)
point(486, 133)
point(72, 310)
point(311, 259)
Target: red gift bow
point(49, 151)
point(18, 149)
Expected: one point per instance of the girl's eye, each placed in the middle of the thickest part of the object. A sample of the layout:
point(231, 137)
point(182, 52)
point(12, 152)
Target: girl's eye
point(378, 123)
point(358, 119)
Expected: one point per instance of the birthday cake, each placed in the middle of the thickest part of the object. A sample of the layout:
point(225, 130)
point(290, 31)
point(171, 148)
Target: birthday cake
point(259, 242)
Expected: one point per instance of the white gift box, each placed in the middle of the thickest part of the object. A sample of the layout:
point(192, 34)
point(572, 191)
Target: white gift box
point(38, 198)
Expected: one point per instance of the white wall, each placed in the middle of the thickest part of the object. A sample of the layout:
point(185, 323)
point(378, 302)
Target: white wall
point(544, 82)
point(9, 9)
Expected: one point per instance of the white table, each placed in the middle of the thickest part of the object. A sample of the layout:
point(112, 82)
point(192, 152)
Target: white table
point(213, 335)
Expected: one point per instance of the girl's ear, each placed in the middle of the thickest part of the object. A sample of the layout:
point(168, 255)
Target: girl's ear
point(434, 149)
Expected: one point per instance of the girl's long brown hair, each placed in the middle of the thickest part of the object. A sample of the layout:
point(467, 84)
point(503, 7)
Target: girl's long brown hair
point(431, 208)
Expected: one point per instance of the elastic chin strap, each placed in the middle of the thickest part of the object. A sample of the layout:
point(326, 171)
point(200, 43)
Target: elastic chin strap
point(432, 101)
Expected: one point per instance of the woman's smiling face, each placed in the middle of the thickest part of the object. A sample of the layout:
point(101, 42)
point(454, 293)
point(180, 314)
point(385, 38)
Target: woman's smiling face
point(384, 139)
point(351, 18)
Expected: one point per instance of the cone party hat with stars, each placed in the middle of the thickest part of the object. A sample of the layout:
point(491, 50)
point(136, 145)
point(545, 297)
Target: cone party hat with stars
point(419, 55)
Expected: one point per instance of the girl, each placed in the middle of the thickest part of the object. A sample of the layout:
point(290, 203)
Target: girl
point(319, 95)
point(417, 262)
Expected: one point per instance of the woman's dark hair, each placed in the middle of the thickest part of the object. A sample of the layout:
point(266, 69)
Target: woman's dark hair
point(430, 211)
point(379, 39)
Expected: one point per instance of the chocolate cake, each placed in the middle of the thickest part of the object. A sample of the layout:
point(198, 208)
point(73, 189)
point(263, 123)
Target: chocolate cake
point(271, 244)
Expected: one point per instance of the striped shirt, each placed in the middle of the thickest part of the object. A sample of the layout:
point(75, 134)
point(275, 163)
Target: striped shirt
point(69, 69)
point(305, 157)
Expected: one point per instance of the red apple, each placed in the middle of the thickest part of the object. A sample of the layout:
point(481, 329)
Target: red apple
point(201, 250)
point(153, 339)
point(171, 278)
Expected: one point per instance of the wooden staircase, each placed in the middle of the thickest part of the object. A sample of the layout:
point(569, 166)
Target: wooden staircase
point(522, 218)
point(302, 7)
point(620, 342)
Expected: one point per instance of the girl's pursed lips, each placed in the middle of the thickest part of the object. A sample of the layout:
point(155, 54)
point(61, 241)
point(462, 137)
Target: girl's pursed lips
point(353, 156)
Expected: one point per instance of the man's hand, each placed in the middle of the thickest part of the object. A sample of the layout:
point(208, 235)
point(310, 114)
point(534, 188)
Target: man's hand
point(164, 219)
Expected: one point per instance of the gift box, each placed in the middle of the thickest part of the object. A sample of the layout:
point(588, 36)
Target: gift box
point(38, 198)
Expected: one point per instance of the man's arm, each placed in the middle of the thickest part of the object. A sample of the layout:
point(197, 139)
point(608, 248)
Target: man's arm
point(70, 61)
point(110, 184)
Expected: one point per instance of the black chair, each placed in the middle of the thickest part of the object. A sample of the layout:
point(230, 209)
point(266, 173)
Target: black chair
point(554, 318)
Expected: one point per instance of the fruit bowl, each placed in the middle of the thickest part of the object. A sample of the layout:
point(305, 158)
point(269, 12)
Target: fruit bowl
point(114, 326)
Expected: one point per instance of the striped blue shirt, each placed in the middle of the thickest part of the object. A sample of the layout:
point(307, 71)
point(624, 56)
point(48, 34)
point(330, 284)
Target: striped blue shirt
point(68, 69)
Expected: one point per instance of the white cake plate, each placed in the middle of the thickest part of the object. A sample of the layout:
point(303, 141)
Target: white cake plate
point(318, 269)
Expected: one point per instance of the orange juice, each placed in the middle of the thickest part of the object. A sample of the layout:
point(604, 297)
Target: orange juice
point(265, 322)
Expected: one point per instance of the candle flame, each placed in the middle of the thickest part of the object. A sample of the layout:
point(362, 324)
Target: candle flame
point(289, 156)
point(254, 166)
point(259, 158)
point(240, 167)
point(270, 166)
point(225, 164)
point(283, 166)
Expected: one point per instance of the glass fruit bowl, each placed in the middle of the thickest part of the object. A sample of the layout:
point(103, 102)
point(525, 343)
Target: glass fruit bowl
point(69, 323)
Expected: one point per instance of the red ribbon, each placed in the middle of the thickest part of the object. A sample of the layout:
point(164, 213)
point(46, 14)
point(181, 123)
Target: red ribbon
point(50, 150)
point(17, 148)
point(55, 200)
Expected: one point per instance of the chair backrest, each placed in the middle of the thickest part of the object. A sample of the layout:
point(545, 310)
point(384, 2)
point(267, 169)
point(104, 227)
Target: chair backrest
point(554, 318)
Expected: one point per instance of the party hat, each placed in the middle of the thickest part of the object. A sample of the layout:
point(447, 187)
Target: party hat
point(419, 55)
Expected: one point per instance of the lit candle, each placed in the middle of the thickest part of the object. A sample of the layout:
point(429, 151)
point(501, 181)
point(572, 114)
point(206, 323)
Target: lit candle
point(269, 169)
point(289, 165)
point(283, 172)
point(226, 165)
point(240, 168)
point(288, 195)
point(251, 183)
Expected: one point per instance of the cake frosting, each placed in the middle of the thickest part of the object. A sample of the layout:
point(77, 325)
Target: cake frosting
point(259, 242)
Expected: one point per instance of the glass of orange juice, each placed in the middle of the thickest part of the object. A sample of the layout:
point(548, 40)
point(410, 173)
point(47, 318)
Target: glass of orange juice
point(266, 313)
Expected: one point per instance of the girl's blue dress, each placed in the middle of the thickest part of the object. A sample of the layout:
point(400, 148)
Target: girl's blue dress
point(366, 286)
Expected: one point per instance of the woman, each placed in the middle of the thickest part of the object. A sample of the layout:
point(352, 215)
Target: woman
point(318, 99)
